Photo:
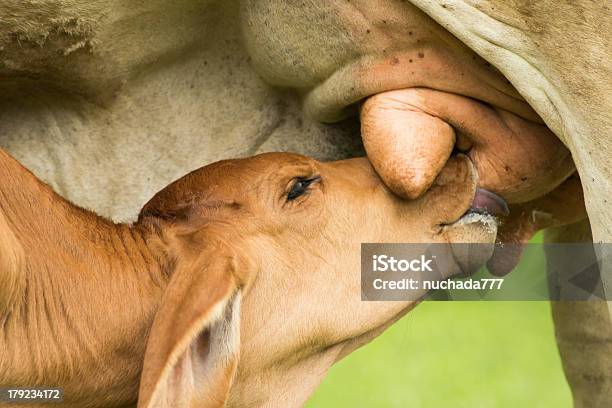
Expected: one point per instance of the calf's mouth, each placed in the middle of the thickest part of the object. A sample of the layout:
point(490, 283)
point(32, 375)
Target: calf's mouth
point(472, 236)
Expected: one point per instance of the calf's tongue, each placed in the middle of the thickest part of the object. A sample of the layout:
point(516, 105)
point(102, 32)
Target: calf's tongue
point(516, 228)
point(485, 200)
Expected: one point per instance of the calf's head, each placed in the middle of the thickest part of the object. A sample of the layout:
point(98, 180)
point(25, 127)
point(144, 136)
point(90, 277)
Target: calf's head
point(267, 250)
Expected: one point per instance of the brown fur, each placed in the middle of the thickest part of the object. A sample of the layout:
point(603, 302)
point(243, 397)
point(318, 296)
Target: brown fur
point(219, 265)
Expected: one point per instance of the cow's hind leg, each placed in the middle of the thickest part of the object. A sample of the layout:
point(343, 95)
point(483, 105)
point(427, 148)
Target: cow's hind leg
point(584, 334)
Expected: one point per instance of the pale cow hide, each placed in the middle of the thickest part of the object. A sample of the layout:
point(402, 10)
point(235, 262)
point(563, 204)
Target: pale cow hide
point(108, 100)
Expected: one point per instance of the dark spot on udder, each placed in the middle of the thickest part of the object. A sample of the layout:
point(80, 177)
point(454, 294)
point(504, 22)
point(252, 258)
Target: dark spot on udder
point(409, 60)
point(395, 61)
point(523, 178)
point(367, 31)
point(421, 55)
point(409, 32)
point(507, 168)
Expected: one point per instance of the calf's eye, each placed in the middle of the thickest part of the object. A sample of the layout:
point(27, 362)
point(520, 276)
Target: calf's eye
point(300, 186)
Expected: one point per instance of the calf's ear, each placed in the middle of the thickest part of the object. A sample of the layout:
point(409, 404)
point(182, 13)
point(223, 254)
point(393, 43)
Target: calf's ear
point(193, 346)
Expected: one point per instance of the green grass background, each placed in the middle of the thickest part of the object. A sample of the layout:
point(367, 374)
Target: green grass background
point(456, 354)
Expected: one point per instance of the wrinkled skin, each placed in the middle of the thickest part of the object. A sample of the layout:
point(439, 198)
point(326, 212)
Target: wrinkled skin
point(409, 134)
point(94, 95)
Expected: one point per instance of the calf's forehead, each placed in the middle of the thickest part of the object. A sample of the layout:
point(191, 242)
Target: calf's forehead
point(229, 180)
point(267, 166)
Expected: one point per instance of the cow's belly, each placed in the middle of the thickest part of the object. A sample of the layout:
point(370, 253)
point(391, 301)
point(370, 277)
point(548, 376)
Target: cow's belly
point(109, 137)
